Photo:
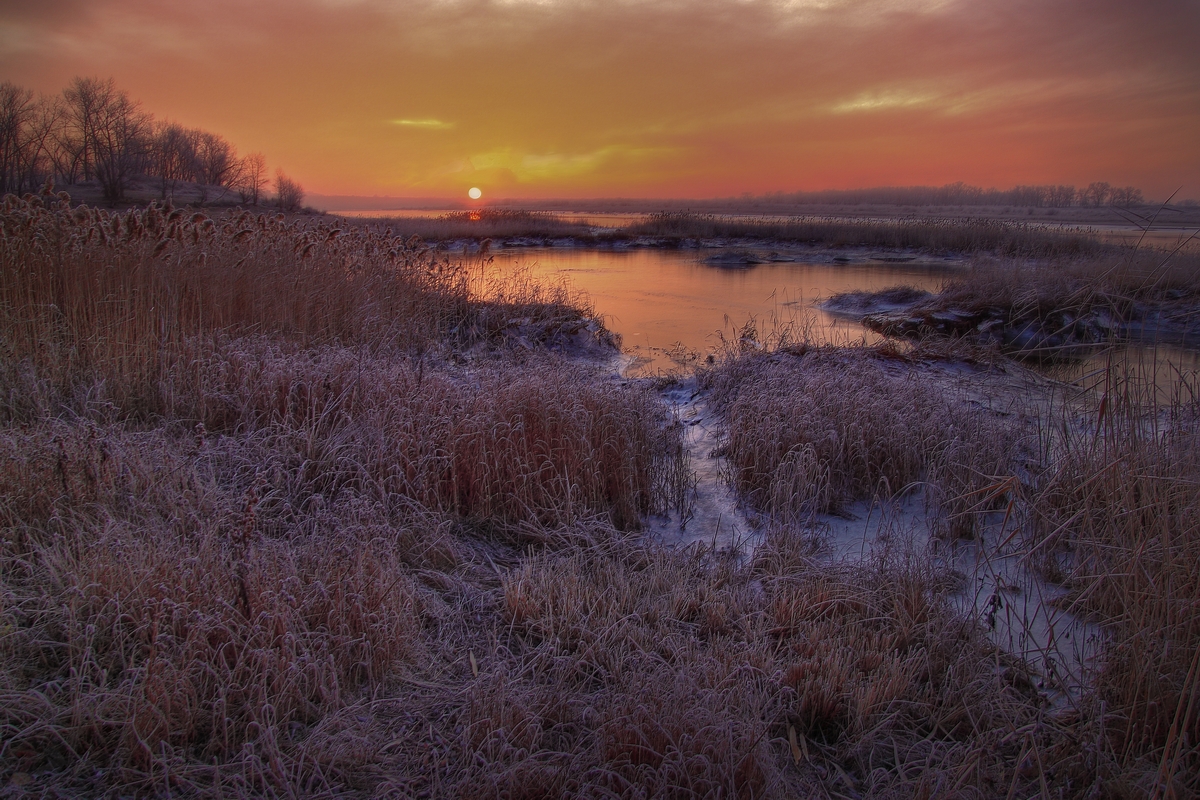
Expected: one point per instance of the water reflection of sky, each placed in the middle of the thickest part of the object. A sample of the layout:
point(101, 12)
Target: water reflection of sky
point(661, 299)
point(1173, 370)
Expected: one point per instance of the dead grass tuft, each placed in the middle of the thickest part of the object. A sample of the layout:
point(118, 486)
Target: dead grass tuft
point(811, 429)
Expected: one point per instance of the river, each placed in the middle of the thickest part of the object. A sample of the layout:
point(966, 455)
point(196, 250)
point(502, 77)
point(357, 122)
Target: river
point(669, 306)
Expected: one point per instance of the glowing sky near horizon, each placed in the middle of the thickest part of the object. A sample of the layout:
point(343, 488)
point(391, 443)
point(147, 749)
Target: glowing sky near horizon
point(650, 98)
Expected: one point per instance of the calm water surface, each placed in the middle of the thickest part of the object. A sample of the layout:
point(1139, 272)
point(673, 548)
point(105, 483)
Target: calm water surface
point(668, 305)
point(668, 302)
point(1165, 373)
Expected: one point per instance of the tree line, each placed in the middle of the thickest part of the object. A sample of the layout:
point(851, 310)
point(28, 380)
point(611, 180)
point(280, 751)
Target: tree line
point(94, 132)
point(961, 194)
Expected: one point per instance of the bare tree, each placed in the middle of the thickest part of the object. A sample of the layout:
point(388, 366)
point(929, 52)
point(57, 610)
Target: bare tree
point(217, 163)
point(120, 145)
point(83, 98)
point(172, 155)
point(25, 125)
point(288, 194)
point(1061, 196)
point(1032, 196)
point(1126, 196)
point(66, 147)
point(1096, 194)
point(94, 131)
point(253, 178)
point(112, 133)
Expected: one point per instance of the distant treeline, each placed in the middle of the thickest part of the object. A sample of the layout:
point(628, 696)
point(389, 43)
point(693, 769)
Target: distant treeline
point(961, 194)
point(94, 131)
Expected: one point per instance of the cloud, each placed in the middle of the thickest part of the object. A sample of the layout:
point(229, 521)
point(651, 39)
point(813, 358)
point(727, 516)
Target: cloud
point(426, 124)
point(653, 97)
point(531, 167)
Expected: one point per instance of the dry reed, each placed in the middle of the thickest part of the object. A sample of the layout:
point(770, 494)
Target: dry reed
point(1113, 516)
point(1114, 283)
point(811, 429)
point(1053, 309)
point(486, 223)
point(237, 454)
point(126, 301)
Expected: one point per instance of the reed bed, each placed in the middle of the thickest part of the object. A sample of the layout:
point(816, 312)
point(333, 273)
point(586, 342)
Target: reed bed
point(812, 429)
point(125, 301)
point(784, 679)
point(932, 235)
point(1100, 495)
point(1113, 517)
point(998, 237)
point(1115, 283)
point(1050, 310)
point(237, 453)
point(208, 612)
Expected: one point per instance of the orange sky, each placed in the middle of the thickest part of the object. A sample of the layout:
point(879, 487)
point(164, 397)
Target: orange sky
point(650, 98)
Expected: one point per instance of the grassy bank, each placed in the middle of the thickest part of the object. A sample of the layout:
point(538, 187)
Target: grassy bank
point(813, 429)
point(932, 235)
point(1118, 280)
point(245, 460)
point(301, 509)
point(673, 229)
point(1056, 309)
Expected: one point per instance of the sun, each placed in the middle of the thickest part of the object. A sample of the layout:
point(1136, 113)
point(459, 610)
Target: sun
point(475, 193)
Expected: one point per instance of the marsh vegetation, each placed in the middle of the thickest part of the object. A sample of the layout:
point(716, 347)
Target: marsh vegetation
point(298, 508)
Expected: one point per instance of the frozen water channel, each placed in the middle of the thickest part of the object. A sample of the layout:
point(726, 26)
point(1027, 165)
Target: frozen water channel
point(992, 576)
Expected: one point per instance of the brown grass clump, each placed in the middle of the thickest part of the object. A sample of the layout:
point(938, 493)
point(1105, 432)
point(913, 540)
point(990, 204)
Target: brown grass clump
point(291, 510)
point(1104, 502)
point(1113, 283)
point(1051, 310)
point(247, 469)
point(176, 620)
point(156, 639)
point(1114, 517)
point(690, 679)
point(811, 429)
point(542, 442)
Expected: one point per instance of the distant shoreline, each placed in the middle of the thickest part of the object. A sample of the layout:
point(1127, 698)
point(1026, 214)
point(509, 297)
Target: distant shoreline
point(1177, 215)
